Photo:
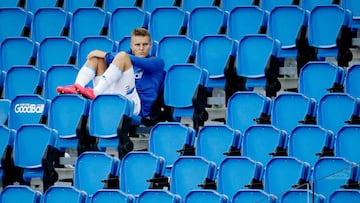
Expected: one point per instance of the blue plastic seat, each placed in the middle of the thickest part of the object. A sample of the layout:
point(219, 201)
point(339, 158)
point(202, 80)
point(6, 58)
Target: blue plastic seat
point(205, 196)
point(353, 6)
point(100, 166)
point(137, 169)
point(332, 79)
point(310, 142)
point(301, 195)
point(72, 6)
point(91, 43)
point(111, 195)
point(10, 3)
point(32, 146)
point(253, 195)
point(247, 108)
point(58, 75)
point(59, 193)
point(292, 109)
point(189, 5)
point(261, 142)
point(4, 111)
point(15, 21)
point(184, 46)
point(330, 173)
point(191, 172)
point(216, 141)
point(20, 193)
point(22, 80)
point(245, 20)
point(228, 5)
point(26, 109)
point(330, 115)
point(112, 5)
point(151, 5)
point(254, 55)
point(284, 173)
point(158, 195)
point(56, 51)
point(346, 143)
point(238, 173)
point(213, 54)
point(33, 6)
point(10, 55)
point(344, 195)
point(169, 20)
point(88, 21)
point(310, 5)
point(196, 26)
point(172, 145)
point(269, 5)
point(285, 23)
point(126, 18)
point(352, 85)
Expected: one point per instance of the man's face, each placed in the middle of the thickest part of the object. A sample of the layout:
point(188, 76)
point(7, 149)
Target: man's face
point(140, 45)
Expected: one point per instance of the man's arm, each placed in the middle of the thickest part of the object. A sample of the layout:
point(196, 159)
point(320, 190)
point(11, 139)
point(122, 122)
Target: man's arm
point(151, 64)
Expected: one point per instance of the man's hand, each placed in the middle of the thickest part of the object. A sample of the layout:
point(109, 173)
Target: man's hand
point(97, 54)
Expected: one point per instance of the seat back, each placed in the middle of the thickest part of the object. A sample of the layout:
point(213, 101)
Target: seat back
point(49, 22)
point(228, 5)
point(99, 166)
point(213, 54)
point(302, 195)
point(23, 79)
point(308, 83)
point(169, 20)
point(57, 194)
point(56, 51)
point(342, 195)
point(186, 50)
point(346, 143)
point(307, 142)
point(72, 6)
point(111, 195)
point(88, 21)
point(253, 195)
point(329, 115)
point(189, 6)
point(351, 83)
point(154, 195)
point(34, 6)
point(245, 20)
point(150, 165)
point(20, 193)
point(235, 173)
point(13, 21)
point(310, 5)
point(151, 5)
point(205, 196)
point(262, 142)
point(196, 26)
point(353, 6)
point(189, 172)
point(269, 5)
point(222, 136)
point(290, 109)
point(244, 107)
point(58, 75)
point(126, 18)
point(112, 5)
point(4, 110)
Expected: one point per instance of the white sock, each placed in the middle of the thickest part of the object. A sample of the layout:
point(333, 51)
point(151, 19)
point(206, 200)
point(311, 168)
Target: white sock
point(85, 75)
point(111, 75)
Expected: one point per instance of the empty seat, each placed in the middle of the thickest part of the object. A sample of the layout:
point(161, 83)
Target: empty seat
point(72, 6)
point(56, 51)
point(310, 142)
point(57, 194)
point(334, 109)
point(101, 167)
point(262, 142)
point(228, 5)
point(10, 3)
point(205, 196)
point(351, 83)
point(237, 173)
point(332, 79)
point(151, 5)
point(112, 5)
point(170, 146)
point(191, 172)
point(140, 171)
point(33, 6)
point(20, 193)
point(169, 20)
point(245, 20)
point(15, 22)
point(253, 195)
point(22, 80)
point(346, 143)
point(111, 195)
point(353, 6)
point(214, 52)
point(4, 111)
point(292, 109)
point(161, 195)
point(58, 75)
point(310, 5)
point(269, 5)
point(196, 26)
point(184, 46)
point(88, 21)
point(247, 108)
point(226, 140)
point(302, 195)
point(189, 5)
point(126, 18)
point(284, 173)
point(342, 195)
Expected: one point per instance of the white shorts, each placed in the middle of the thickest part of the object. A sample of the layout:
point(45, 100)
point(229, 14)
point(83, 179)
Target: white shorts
point(126, 87)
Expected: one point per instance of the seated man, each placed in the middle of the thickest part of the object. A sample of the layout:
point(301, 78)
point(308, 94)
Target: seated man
point(133, 74)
